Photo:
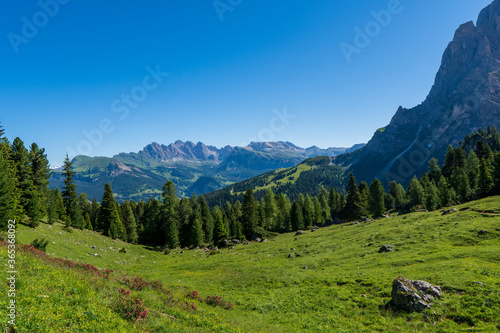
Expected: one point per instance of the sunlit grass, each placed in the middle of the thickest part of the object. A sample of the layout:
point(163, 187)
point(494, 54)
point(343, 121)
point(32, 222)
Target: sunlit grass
point(339, 282)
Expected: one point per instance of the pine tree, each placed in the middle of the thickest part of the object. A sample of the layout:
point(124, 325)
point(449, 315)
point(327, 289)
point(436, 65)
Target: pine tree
point(206, 219)
point(376, 199)
point(449, 162)
point(496, 173)
point(169, 215)
point(353, 207)
point(220, 233)
point(317, 212)
point(416, 193)
point(445, 198)
point(9, 194)
point(461, 183)
point(485, 181)
point(432, 197)
point(483, 151)
point(398, 192)
point(249, 215)
point(270, 210)
point(109, 218)
point(333, 203)
point(129, 223)
point(184, 225)
point(296, 217)
point(364, 193)
point(40, 172)
point(325, 208)
point(196, 229)
point(88, 224)
point(283, 203)
point(434, 170)
point(472, 169)
point(19, 155)
point(70, 198)
point(308, 211)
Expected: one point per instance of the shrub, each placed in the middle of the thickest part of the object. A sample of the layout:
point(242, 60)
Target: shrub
point(40, 244)
point(130, 308)
point(218, 301)
point(194, 295)
point(123, 250)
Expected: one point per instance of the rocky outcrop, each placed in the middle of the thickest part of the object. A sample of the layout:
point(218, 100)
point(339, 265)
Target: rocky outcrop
point(465, 97)
point(386, 248)
point(413, 296)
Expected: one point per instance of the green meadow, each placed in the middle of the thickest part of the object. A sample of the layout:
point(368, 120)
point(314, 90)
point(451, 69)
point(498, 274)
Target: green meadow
point(329, 280)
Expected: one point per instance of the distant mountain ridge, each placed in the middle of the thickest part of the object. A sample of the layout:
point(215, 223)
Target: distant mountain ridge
point(194, 167)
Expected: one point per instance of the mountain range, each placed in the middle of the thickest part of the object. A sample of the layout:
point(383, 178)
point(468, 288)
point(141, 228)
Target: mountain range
point(194, 168)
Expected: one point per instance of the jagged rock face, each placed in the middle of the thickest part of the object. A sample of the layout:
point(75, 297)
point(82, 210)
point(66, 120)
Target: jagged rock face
point(413, 296)
point(464, 98)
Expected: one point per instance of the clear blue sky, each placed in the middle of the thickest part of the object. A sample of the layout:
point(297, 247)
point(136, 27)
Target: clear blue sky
point(225, 76)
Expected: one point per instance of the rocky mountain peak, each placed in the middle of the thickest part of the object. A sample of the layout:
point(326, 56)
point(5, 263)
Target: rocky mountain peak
point(465, 97)
point(490, 17)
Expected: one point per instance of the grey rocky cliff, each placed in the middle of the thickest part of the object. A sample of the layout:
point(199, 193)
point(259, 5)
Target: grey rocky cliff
point(464, 98)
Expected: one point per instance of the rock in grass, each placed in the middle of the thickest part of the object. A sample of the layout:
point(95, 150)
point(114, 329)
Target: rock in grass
point(449, 211)
point(300, 232)
point(386, 248)
point(412, 295)
point(483, 232)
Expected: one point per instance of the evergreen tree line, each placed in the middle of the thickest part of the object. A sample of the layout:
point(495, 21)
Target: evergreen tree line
point(470, 171)
point(24, 180)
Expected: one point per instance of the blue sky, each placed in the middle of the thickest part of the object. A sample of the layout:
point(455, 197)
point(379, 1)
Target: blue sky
point(232, 65)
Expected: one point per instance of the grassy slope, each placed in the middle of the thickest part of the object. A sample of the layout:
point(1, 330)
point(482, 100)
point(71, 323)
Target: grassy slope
point(343, 289)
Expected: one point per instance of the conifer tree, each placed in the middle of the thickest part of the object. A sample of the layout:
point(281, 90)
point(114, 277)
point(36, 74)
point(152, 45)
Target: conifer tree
point(308, 211)
point(444, 191)
point(296, 217)
point(206, 219)
point(472, 169)
point(353, 207)
point(325, 208)
point(485, 182)
point(27, 190)
point(332, 202)
point(40, 173)
point(283, 203)
point(416, 193)
point(461, 183)
point(398, 192)
point(169, 215)
point(236, 229)
point(434, 170)
point(70, 198)
point(496, 173)
point(376, 199)
point(184, 224)
point(109, 218)
point(88, 224)
point(129, 223)
point(196, 229)
point(270, 210)
point(249, 215)
point(220, 233)
point(432, 197)
point(9, 194)
point(317, 211)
